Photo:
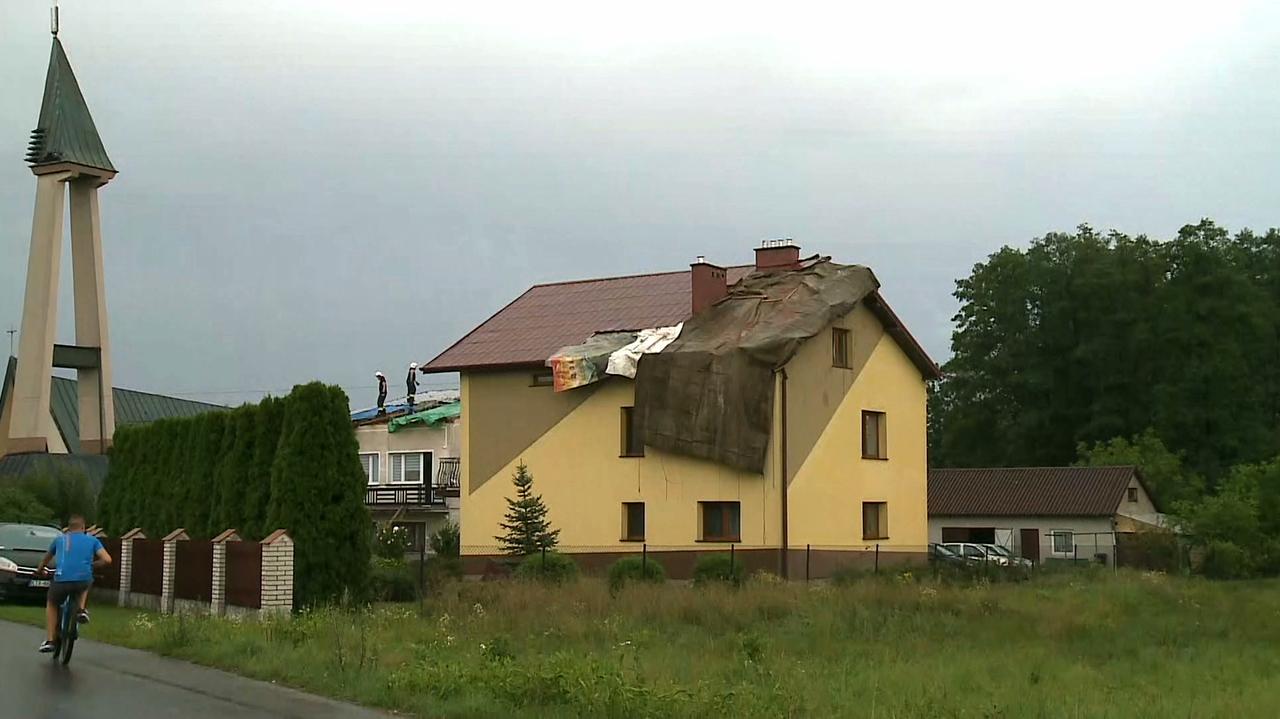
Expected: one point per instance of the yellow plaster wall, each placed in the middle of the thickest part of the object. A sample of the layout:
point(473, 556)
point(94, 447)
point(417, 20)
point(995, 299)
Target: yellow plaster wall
point(827, 492)
point(578, 471)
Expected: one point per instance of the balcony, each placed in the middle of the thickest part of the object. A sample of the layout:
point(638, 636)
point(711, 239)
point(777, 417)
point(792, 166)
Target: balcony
point(410, 495)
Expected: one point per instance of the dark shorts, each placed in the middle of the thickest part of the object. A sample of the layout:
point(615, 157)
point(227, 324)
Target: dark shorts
point(59, 591)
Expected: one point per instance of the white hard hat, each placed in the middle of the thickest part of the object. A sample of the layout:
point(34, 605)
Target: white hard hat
point(377, 374)
point(413, 365)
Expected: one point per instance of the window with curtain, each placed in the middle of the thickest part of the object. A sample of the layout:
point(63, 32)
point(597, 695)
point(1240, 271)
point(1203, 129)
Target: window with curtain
point(369, 463)
point(875, 520)
point(874, 442)
point(410, 467)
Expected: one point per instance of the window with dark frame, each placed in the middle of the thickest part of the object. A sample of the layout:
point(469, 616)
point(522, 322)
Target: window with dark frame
point(875, 520)
point(633, 521)
point(1133, 494)
point(632, 434)
point(542, 378)
point(874, 441)
point(721, 521)
point(840, 340)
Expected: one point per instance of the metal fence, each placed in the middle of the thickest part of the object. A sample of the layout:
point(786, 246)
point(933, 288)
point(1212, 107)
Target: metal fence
point(146, 575)
point(108, 577)
point(244, 574)
point(193, 570)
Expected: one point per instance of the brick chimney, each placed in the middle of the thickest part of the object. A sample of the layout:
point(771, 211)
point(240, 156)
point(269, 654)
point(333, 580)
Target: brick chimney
point(708, 284)
point(773, 255)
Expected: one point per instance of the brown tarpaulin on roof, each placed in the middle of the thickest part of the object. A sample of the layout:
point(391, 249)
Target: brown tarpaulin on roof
point(710, 393)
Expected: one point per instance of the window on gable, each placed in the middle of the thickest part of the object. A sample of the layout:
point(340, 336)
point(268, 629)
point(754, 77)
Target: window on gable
point(721, 521)
point(875, 520)
point(632, 434)
point(633, 521)
point(410, 467)
point(369, 463)
point(1133, 494)
point(840, 348)
point(874, 441)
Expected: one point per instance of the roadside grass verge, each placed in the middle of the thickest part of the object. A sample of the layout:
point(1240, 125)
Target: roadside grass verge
point(1065, 645)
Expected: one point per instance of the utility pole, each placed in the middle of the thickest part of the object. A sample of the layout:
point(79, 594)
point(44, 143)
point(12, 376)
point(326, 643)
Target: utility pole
point(12, 331)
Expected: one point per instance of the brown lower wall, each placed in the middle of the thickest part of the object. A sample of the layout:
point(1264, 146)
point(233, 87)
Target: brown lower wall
point(679, 564)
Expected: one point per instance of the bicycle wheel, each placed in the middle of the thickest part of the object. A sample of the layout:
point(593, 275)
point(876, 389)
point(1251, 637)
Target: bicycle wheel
point(69, 632)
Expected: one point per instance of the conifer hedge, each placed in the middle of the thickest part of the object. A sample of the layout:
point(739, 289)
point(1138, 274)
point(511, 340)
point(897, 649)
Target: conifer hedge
point(288, 462)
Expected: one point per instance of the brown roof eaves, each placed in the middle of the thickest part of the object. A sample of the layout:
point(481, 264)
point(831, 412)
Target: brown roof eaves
point(899, 332)
point(1029, 491)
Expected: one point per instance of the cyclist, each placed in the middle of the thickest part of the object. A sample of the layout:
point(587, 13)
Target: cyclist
point(78, 554)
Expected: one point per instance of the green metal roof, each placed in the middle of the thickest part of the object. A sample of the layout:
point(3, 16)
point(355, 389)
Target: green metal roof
point(92, 466)
point(427, 417)
point(65, 131)
point(132, 406)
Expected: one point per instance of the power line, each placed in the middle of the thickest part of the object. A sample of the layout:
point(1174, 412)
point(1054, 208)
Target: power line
point(283, 390)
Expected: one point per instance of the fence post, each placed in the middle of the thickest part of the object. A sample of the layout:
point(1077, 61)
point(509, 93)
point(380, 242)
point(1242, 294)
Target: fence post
point(422, 575)
point(218, 586)
point(126, 565)
point(277, 574)
point(731, 561)
point(877, 557)
point(807, 550)
point(544, 560)
point(644, 560)
point(170, 568)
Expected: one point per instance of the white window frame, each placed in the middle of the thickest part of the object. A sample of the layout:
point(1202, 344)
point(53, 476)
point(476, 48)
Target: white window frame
point(374, 477)
point(428, 465)
point(1053, 541)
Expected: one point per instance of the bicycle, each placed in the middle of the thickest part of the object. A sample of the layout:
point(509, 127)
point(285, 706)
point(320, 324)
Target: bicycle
point(64, 641)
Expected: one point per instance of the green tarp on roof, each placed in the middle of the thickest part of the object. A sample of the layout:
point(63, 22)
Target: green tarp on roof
point(427, 417)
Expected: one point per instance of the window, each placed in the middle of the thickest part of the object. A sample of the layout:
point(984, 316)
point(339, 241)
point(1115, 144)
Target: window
point(632, 434)
point(410, 467)
point(369, 463)
point(415, 532)
point(1064, 541)
point(633, 521)
point(1133, 494)
point(840, 348)
point(875, 520)
point(874, 442)
point(721, 521)
point(542, 378)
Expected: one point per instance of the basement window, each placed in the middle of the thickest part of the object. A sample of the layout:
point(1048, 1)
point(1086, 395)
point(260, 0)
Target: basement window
point(721, 521)
point(840, 345)
point(633, 521)
point(875, 520)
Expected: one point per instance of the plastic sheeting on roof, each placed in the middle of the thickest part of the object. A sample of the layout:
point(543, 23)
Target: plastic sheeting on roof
point(710, 393)
point(428, 417)
point(624, 361)
point(581, 364)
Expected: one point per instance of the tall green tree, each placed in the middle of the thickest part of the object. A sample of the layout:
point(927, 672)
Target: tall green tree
point(257, 488)
point(528, 529)
point(317, 494)
point(1165, 476)
point(236, 471)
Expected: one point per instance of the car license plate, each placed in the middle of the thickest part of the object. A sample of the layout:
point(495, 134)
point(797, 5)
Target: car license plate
point(39, 583)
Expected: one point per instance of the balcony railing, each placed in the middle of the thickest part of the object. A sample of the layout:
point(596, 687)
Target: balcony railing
point(413, 495)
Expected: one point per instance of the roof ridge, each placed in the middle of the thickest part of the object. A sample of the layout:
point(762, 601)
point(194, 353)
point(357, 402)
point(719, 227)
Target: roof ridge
point(150, 394)
point(561, 283)
point(1005, 469)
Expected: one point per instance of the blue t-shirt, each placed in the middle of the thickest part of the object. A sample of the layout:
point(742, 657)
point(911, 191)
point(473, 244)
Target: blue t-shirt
point(75, 552)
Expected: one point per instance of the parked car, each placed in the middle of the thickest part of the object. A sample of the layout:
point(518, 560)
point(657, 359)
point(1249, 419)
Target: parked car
point(21, 547)
point(976, 553)
point(942, 555)
point(1009, 559)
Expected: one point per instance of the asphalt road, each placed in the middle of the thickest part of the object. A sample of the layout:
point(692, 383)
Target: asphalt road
point(104, 682)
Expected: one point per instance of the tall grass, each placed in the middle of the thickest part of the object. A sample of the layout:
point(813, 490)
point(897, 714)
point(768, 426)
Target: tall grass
point(1069, 645)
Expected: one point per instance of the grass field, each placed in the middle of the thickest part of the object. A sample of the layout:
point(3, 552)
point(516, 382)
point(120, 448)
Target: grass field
point(1058, 646)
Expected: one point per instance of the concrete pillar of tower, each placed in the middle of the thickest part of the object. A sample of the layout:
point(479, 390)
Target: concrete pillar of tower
point(30, 424)
point(97, 409)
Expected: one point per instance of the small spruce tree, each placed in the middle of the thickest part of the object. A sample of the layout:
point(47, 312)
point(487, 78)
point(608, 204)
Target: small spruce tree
point(528, 530)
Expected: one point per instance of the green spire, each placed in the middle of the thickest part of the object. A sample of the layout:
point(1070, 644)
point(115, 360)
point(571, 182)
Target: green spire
point(65, 131)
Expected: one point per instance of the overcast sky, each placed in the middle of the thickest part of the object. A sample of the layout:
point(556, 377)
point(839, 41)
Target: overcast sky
point(323, 189)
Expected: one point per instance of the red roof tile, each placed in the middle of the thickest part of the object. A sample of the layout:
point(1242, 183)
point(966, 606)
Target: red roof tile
point(548, 317)
point(1029, 491)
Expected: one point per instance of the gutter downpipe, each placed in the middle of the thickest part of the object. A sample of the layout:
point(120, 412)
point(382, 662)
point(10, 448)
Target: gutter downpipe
point(784, 558)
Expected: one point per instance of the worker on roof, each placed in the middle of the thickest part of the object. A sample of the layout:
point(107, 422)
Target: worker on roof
point(411, 383)
point(382, 392)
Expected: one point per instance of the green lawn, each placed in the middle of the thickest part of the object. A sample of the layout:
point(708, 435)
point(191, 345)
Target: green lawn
point(1057, 646)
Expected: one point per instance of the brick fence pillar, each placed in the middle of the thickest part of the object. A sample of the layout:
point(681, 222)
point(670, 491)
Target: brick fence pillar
point(170, 568)
point(218, 605)
point(126, 564)
point(277, 573)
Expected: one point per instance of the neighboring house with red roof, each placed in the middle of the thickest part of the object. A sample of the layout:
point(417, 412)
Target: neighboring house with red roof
point(1041, 513)
point(790, 410)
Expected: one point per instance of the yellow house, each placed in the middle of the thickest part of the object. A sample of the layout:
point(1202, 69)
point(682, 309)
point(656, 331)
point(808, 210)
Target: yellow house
point(788, 415)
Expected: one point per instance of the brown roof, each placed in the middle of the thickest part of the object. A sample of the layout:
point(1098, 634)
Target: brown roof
point(548, 317)
point(551, 316)
point(1029, 491)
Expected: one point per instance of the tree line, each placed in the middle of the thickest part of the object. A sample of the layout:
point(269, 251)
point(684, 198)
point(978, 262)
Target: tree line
point(288, 463)
point(1094, 348)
